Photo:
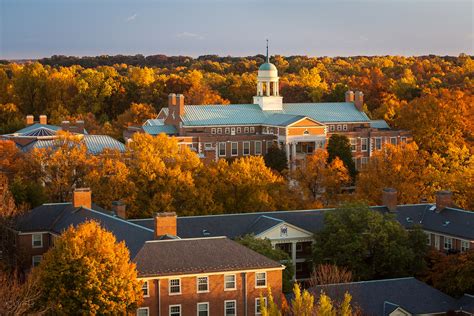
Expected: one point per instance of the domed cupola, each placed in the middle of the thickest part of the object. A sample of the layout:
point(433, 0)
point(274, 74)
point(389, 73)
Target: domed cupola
point(268, 95)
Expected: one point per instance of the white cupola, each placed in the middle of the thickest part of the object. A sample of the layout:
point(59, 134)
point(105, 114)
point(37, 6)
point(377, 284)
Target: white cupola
point(268, 95)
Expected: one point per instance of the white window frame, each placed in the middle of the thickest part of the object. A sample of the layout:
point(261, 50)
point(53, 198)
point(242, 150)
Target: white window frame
point(246, 130)
point(353, 142)
point(169, 287)
point(243, 148)
point(437, 241)
point(428, 239)
point(207, 284)
point(239, 130)
point(344, 127)
point(258, 305)
point(175, 305)
point(257, 279)
point(207, 146)
point(364, 161)
point(465, 245)
point(146, 287)
point(375, 143)
point(391, 141)
point(403, 140)
point(232, 149)
point(258, 152)
point(202, 303)
point(332, 128)
point(252, 129)
point(362, 141)
point(147, 309)
point(227, 130)
point(213, 130)
point(225, 282)
point(339, 127)
point(33, 240)
point(40, 257)
point(450, 246)
point(219, 130)
point(219, 149)
point(225, 307)
point(232, 131)
point(269, 144)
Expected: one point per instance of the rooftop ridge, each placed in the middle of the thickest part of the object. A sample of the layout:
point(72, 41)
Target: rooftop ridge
point(369, 281)
point(185, 239)
point(118, 219)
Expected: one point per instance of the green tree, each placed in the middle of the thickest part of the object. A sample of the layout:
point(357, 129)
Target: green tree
point(370, 244)
point(88, 272)
point(275, 158)
point(340, 146)
point(264, 247)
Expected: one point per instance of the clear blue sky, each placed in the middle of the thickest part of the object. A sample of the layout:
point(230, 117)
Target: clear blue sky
point(41, 28)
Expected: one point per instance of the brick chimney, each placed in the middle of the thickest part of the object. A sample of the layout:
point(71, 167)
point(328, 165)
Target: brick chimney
point(165, 224)
point(80, 127)
point(30, 120)
point(65, 125)
point(444, 199)
point(171, 118)
point(82, 197)
point(119, 208)
point(43, 119)
point(359, 100)
point(349, 96)
point(389, 199)
point(180, 105)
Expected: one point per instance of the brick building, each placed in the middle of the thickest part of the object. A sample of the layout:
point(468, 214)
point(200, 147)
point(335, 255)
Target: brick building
point(235, 130)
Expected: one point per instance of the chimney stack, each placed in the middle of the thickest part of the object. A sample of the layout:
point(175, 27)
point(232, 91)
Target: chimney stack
point(349, 96)
point(180, 104)
point(30, 120)
point(43, 119)
point(389, 199)
point(165, 224)
point(82, 198)
point(65, 125)
point(359, 100)
point(171, 99)
point(120, 209)
point(444, 199)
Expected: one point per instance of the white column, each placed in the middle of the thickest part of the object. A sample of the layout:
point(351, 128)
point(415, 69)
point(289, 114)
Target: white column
point(293, 151)
point(293, 258)
point(268, 88)
point(287, 149)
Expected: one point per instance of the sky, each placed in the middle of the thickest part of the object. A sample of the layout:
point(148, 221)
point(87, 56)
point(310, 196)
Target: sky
point(41, 28)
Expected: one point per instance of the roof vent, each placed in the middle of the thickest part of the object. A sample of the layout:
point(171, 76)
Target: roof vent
point(446, 223)
point(205, 232)
point(409, 220)
point(433, 207)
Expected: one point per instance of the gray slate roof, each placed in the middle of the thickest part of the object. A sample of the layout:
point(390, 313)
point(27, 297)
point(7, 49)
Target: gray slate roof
point(381, 297)
point(204, 255)
point(461, 223)
point(36, 126)
point(57, 217)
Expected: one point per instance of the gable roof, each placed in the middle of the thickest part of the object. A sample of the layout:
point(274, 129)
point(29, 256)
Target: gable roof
point(381, 297)
point(57, 217)
point(202, 255)
point(461, 223)
point(37, 126)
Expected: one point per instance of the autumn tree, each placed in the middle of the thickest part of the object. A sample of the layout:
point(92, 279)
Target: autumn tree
point(264, 247)
point(19, 297)
point(329, 274)
point(88, 272)
point(370, 244)
point(302, 303)
point(321, 181)
point(339, 146)
point(136, 115)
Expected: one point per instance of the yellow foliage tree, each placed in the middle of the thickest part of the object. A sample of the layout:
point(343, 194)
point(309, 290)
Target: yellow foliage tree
point(88, 272)
point(303, 303)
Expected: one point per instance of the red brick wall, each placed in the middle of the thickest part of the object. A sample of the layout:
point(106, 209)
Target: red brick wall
point(215, 297)
point(25, 246)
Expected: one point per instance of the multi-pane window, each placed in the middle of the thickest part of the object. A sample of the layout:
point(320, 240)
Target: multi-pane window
point(222, 149)
point(213, 130)
point(344, 127)
point(175, 310)
point(378, 143)
point(363, 144)
point(428, 239)
point(229, 282)
point(246, 148)
point(143, 311)
point(403, 140)
point(37, 240)
point(258, 305)
point(239, 130)
point(208, 146)
point(227, 130)
point(464, 245)
point(203, 284)
point(331, 128)
point(448, 243)
point(269, 145)
point(219, 131)
point(145, 289)
point(393, 140)
point(260, 279)
point(234, 148)
point(230, 308)
point(36, 260)
point(252, 129)
point(363, 161)
point(246, 130)
point(353, 144)
point(203, 309)
point(258, 148)
point(175, 286)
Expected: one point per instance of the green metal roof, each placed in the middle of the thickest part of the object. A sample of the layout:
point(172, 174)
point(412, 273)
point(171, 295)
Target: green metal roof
point(158, 129)
point(267, 66)
point(380, 124)
point(251, 114)
point(36, 126)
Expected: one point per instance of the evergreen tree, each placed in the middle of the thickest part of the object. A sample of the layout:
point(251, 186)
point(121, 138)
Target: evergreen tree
point(340, 146)
point(275, 158)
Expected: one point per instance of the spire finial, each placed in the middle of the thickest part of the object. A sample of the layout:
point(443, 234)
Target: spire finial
point(267, 51)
